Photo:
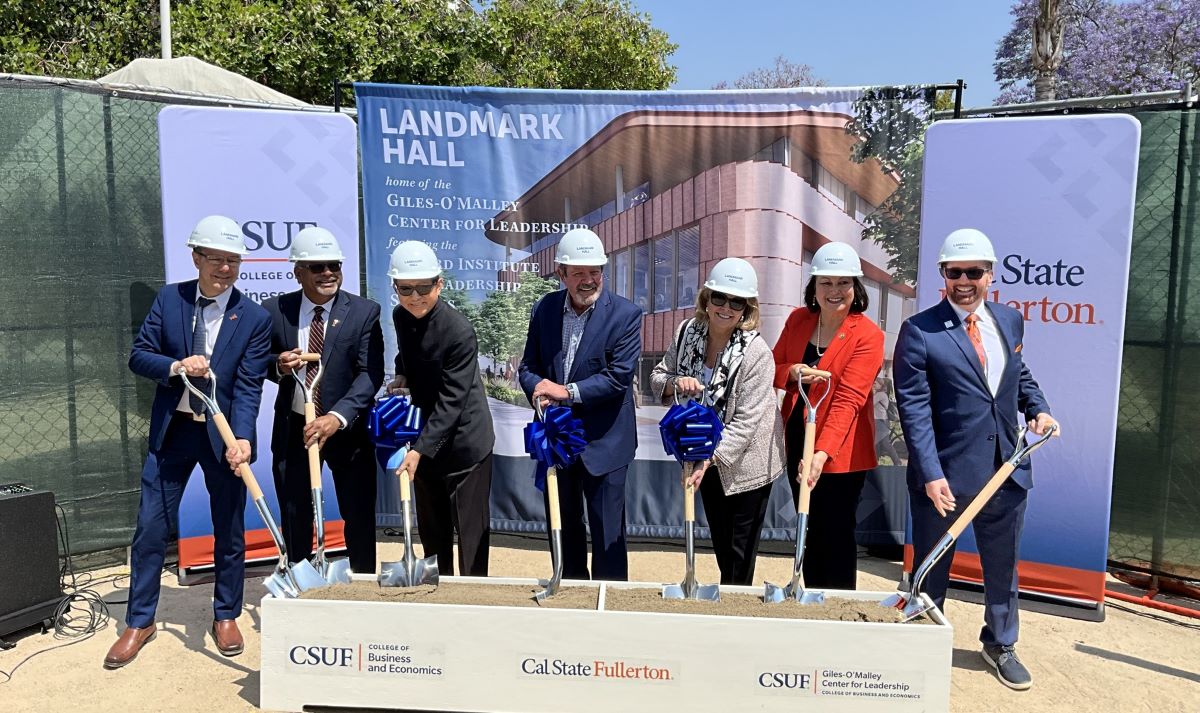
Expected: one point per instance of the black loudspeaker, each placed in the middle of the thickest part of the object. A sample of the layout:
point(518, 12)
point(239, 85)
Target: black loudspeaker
point(28, 557)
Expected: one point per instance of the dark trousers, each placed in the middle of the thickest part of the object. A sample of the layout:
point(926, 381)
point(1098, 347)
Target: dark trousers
point(831, 551)
point(735, 524)
point(997, 536)
point(460, 501)
point(164, 477)
point(603, 496)
point(351, 459)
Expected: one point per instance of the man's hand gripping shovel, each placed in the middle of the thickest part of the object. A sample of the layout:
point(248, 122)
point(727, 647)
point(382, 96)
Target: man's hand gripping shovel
point(287, 581)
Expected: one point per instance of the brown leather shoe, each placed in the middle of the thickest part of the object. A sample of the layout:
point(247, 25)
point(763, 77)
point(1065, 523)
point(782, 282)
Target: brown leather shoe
point(128, 645)
point(229, 639)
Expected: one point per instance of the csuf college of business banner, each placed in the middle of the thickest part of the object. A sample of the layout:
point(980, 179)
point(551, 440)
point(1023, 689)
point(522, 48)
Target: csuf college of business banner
point(1056, 197)
point(275, 173)
point(671, 181)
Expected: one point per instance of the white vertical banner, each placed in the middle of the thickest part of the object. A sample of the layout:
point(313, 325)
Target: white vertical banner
point(275, 173)
point(1056, 197)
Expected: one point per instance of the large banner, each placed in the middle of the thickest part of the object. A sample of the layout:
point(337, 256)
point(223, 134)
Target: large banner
point(671, 181)
point(1056, 197)
point(275, 173)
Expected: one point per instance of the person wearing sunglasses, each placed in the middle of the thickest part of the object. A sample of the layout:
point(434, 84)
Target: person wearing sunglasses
point(831, 332)
point(961, 385)
point(719, 358)
point(437, 361)
point(197, 325)
point(581, 351)
point(344, 329)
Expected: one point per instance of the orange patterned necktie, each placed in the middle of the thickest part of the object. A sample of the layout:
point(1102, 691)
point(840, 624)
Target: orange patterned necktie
point(976, 339)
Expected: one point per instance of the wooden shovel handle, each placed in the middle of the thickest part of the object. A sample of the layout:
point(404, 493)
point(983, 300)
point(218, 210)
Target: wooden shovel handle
point(810, 439)
point(405, 486)
point(809, 371)
point(314, 451)
point(230, 441)
point(981, 499)
point(310, 356)
point(689, 497)
point(552, 496)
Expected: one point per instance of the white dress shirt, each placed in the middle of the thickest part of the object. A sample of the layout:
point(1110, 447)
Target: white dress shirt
point(993, 345)
point(305, 322)
point(214, 315)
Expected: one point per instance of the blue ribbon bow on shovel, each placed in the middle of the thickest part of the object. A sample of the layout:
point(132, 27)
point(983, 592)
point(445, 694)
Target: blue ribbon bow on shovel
point(690, 432)
point(394, 423)
point(554, 441)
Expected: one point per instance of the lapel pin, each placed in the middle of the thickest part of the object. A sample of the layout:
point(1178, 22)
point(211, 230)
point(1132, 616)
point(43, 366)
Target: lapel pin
point(335, 322)
point(232, 317)
point(842, 335)
point(949, 324)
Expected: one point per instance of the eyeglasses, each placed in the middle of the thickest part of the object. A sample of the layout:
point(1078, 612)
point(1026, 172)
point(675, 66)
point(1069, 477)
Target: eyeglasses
point(217, 260)
point(720, 299)
point(972, 273)
point(317, 268)
point(422, 290)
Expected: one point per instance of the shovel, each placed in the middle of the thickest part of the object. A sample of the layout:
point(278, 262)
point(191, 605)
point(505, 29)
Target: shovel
point(408, 571)
point(287, 581)
point(688, 589)
point(910, 603)
point(556, 555)
point(795, 589)
point(335, 571)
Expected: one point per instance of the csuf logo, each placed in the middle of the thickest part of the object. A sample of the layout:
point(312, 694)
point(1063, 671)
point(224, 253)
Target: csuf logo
point(799, 681)
point(274, 235)
point(327, 656)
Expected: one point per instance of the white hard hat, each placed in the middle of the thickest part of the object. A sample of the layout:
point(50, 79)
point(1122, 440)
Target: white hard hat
point(836, 260)
point(315, 243)
point(217, 232)
point(733, 276)
point(580, 246)
point(967, 245)
point(414, 260)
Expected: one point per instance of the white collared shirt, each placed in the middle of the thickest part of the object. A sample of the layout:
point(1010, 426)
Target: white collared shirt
point(305, 326)
point(993, 345)
point(214, 315)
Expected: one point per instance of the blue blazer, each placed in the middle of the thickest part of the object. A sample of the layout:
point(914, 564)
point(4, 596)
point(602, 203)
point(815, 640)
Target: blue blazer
point(239, 360)
point(352, 355)
point(603, 370)
point(953, 426)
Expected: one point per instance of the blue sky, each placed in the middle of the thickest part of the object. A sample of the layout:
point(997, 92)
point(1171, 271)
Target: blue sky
point(846, 43)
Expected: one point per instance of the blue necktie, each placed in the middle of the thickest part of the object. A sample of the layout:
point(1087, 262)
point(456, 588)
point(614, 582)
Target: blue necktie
point(199, 348)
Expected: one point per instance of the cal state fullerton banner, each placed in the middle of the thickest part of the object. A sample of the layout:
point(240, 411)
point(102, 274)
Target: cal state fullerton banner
point(275, 173)
point(1056, 197)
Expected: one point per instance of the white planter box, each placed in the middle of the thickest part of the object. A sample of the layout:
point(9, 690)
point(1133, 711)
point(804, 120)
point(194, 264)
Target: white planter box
point(442, 657)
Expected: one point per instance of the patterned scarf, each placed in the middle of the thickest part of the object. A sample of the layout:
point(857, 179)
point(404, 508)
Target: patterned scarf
point(690, 361)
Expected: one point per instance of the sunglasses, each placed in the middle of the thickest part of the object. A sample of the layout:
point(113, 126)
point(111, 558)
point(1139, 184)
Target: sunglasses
point(422, 290)
point(720, 299)
point(317, 268)
point(972, 273)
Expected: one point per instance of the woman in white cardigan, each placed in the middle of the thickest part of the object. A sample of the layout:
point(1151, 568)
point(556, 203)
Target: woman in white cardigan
point(719, 358)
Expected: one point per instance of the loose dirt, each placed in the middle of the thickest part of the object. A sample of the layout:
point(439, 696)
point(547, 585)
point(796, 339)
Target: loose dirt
point(488, 595)
point(833, 609)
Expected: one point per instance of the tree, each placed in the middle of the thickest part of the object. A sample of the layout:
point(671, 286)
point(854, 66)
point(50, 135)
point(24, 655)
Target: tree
point(496, 323)
point(784, 74)
point(301, 47)
point(1108, 47)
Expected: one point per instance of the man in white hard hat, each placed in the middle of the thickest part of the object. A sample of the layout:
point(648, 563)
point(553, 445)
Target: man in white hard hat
point(344, 329)
point(961, 386)
point(197, 325)
point(437, 360)
point(582, 351)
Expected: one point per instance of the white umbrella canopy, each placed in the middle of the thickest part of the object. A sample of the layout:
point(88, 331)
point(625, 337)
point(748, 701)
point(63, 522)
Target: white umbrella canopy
point(189, 74)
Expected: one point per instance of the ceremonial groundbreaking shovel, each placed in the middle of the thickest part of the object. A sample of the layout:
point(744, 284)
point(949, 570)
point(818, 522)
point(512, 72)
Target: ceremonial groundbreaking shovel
point(910, 603)
point(287, 581)
point(408, 571)
point(688, 589)
point(335, 571)
point(556, 553)
point(795, 589)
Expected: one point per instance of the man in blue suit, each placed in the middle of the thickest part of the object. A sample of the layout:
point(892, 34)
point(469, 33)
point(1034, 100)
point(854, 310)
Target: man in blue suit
point(582, 351)
point(197, 325)
point(961, 384)
point(344, 329)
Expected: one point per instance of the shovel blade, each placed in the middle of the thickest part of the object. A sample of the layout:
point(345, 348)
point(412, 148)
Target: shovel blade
point(306, 576)
point(397, 574)
point(774, 594)
point(911, 606)
point(704, 592)
point(336, 571)
point(393, 574)
point(288, 582)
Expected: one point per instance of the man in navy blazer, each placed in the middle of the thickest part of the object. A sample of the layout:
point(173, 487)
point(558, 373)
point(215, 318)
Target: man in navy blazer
point(961, 384)
point(197, 325)
point(582, 351)
point(344, 328)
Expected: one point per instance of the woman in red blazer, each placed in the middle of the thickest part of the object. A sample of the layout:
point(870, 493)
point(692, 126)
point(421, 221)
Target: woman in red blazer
point(830, 332)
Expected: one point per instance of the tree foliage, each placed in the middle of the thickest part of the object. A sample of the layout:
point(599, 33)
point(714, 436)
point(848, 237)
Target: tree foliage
point(783, 74)
point(1109, 47)
point(301, 47)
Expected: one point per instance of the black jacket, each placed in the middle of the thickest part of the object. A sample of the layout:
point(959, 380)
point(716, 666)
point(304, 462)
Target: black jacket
point(439, 357)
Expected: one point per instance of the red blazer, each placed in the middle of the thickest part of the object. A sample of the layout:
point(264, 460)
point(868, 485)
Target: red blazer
point(845, 420)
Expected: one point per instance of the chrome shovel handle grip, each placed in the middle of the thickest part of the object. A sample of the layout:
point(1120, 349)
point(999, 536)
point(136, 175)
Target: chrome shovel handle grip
point(209, 400)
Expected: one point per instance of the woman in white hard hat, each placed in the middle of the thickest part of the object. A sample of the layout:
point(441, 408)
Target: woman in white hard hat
point(831, 333)
point(719, 357)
